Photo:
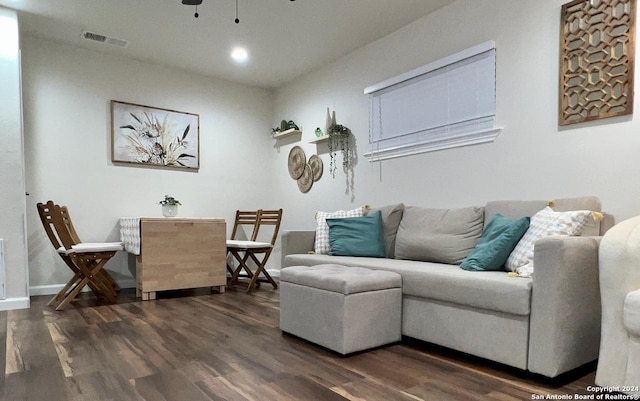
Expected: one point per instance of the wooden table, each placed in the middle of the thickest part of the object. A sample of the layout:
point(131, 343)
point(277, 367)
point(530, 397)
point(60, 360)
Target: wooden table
point(177, 253)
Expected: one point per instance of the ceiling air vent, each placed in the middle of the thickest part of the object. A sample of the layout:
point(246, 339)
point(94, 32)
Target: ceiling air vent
point(117, 42)
point(96, 37)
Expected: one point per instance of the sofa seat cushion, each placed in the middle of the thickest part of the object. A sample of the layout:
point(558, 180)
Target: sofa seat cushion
point(336, 278)
point(494, 290)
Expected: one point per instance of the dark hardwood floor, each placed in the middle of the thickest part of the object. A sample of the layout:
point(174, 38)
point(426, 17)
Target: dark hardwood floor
point(196, 346)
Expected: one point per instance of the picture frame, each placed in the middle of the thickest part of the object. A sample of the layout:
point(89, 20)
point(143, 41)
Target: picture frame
point(153, 136)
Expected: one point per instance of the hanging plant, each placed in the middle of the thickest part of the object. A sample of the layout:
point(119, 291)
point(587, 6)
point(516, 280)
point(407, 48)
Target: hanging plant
point(339, 140)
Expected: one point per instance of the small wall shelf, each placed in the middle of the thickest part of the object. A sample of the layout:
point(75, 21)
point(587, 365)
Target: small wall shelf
point(319, 139)
point(286, 133)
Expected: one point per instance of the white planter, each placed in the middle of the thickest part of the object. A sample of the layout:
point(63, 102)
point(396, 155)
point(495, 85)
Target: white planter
point(169, 210)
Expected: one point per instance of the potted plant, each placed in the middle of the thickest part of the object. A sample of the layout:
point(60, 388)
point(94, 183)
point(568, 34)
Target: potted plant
point(169, 206)
point(339, 139)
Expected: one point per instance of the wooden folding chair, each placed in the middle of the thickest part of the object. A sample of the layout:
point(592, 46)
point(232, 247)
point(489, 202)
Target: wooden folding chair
point(243, 251)
point(86, 260)
point(243, 218)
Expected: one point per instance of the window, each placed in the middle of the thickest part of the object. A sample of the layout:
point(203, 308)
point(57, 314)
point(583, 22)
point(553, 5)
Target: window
point(448, 103)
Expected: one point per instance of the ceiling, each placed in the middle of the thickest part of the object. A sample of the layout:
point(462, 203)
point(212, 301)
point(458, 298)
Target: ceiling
point(285, 39)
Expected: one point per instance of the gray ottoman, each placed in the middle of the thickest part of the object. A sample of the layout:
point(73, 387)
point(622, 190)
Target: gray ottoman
point(345, 309)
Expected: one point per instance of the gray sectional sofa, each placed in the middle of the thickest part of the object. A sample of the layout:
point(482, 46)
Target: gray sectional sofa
point(547, 324)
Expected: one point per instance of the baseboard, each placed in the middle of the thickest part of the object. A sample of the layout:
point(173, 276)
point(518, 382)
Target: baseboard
point(14, 303)
point(55, 288)
point(127, 283)
point(274, 272)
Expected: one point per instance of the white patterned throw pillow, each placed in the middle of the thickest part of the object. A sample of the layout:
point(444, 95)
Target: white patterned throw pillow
point(545, 223)
point(322, 245)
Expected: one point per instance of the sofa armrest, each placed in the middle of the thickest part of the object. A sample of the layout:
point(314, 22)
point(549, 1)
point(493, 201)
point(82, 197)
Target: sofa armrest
point(565, 306)
point(297, 241)
point(631, 313)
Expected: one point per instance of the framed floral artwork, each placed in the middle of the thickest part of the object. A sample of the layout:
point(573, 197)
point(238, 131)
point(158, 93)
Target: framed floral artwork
point(154, 136)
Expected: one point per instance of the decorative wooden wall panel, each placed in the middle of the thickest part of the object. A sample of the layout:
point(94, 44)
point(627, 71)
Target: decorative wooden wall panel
point(597, 50)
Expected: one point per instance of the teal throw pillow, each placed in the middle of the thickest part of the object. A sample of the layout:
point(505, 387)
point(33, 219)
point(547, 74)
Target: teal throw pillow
point(357, 236)
point(498, 240)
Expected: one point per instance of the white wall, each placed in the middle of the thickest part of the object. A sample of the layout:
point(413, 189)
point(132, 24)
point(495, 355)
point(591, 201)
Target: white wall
point(532, 159)
point(67, 129)
point(67, 137)
point(12, 213)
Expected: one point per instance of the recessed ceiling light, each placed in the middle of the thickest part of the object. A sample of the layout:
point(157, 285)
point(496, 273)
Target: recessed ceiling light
point(239, 55)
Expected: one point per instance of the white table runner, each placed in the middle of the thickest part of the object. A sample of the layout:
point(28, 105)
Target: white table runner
point(130, 234)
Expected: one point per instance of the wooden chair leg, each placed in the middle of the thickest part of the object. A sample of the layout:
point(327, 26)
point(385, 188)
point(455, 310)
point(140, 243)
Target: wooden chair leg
point(242, 265)
point(87, 276)
point(76, 277)
point(268, 277)
point(108, 279)
point(229, 269)
point(61, 294)
point(101, 286)
point(261, 270)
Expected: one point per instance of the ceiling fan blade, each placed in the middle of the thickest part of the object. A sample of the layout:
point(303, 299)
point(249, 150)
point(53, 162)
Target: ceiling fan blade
point(192, 2)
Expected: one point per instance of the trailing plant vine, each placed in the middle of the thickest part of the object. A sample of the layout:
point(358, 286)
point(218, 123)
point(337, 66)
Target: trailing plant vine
point(339, 140)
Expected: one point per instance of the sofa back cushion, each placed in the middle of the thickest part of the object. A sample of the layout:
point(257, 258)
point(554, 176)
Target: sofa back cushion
point(391, 216)
point(512, 210)
point(518, 209)
point(438, 235)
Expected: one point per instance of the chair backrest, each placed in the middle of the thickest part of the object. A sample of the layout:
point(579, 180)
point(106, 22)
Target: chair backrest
point(45, 212)
point(58, 225)
point(63, 226)
point(268, 218)
point(257, 219)
point(66, 218)
point(245, 218)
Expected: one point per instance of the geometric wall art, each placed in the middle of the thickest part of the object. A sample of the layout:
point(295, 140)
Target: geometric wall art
point(597, 51)
point(154, 137)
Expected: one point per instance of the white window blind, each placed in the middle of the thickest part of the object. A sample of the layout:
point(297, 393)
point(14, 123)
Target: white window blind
point(448, 103)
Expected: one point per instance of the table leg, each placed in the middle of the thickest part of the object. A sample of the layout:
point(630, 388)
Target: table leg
point(149, 296)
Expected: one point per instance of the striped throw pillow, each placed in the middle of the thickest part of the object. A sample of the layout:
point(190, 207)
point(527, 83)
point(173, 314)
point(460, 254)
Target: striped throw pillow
point(322, 245)
point(546, 223)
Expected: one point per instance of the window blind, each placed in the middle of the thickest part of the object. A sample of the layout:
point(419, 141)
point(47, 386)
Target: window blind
point(448, 103)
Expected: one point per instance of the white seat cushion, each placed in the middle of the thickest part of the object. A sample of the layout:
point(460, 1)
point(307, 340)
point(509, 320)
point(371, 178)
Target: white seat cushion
point(87, 247)
point(64, 251)
point(232, 243)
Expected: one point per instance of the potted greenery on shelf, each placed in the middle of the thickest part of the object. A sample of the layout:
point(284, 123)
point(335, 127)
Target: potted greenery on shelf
point(284, 126)
point(169, 206)
point(339, 140)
